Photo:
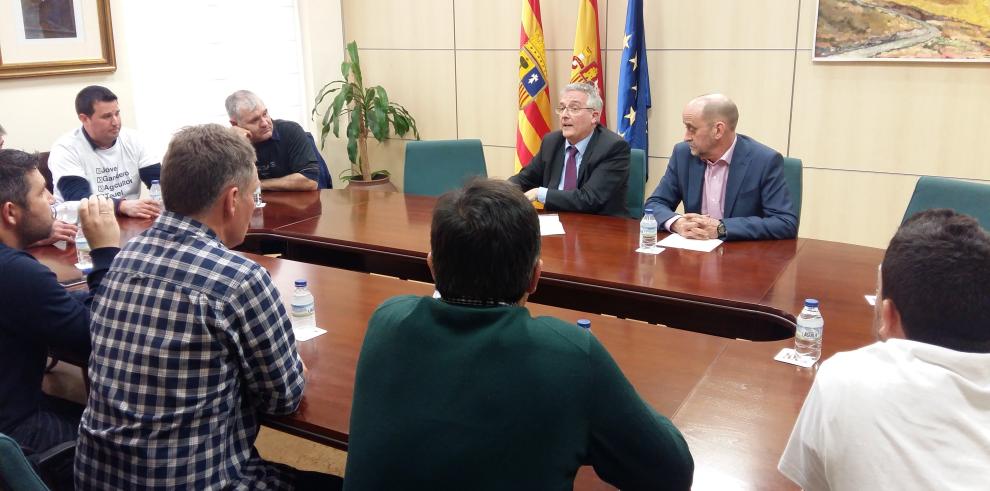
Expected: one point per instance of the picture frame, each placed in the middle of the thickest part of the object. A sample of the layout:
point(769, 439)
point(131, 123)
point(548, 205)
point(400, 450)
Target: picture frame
point(902, 31)
point(41, 38)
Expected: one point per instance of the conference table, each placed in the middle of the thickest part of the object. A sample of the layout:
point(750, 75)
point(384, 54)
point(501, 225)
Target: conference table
point(709, 366)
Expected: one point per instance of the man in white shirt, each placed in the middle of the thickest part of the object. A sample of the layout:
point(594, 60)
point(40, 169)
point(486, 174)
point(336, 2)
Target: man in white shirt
point(911, 411)
point(101, 157)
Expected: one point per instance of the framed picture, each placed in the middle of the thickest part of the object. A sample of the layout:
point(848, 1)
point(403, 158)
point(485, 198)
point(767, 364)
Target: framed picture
point(902, 30)
point(55, 37)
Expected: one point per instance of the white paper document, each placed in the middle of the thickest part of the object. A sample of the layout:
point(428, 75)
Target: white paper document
point(650, 250)
point(678, 242)
point(307, 333)
point(788, 355)
point(550, 225)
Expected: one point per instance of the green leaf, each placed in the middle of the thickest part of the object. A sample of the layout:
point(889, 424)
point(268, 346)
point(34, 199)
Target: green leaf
point(352, 51)
point(382, 97)
point(378, 123)
point(345, 69)
point(353, 129)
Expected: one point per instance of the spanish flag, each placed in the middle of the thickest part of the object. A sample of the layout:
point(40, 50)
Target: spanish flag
point(586, 64)
point(534, 88)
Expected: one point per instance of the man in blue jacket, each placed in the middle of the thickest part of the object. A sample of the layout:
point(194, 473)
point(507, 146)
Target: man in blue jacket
point(732, 186)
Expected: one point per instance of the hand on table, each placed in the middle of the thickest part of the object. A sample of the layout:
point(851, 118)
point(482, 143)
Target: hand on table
point(695, 226)
point(140, 208)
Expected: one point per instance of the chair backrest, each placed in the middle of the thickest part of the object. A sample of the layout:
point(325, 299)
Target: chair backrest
point(792, 174)
point(636, 194)
point(16, 473)
point(45, 171)
point(941, 192)
point(435, 167)
point(325, 181)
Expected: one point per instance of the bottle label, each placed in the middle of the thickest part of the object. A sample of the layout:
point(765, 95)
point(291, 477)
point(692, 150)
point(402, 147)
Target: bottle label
point(302, 310)
point(807, 333)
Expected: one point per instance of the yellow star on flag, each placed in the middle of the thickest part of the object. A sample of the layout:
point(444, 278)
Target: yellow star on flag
point(631, 116)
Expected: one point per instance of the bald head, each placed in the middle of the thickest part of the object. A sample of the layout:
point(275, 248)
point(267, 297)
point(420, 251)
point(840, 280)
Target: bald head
point(710, 125)
point(718, 107)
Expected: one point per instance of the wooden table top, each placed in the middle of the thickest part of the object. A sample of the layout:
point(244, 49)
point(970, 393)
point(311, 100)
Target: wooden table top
point(733, 402)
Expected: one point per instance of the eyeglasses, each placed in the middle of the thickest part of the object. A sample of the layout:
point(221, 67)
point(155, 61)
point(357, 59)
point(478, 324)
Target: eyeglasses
point(570, 111)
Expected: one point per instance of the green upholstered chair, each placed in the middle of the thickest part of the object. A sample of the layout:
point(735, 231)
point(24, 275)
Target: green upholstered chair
point(635, 195)
point(435, 167)
point(941, 192)
point(16, 473)
point(793, 175)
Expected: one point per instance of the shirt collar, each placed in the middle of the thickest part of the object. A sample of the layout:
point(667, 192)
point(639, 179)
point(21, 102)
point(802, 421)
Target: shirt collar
point(727, 156)
point(581, 145)
point(474, 302)
point(92, 143)
point(175, 222)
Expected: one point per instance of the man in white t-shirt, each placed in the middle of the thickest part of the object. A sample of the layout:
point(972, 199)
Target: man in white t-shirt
point(913, 410)
point(103, 158)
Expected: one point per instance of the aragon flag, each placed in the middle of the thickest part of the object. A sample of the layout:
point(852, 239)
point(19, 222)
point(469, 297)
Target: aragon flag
point(534, 87)
point(586, 64)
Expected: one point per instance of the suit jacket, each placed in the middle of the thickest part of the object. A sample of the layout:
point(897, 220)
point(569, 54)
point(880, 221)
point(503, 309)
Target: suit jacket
point(602, 181)
point(757, 200)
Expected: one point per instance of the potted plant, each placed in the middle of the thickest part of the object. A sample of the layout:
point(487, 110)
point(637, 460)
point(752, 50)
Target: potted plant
point(369, 111)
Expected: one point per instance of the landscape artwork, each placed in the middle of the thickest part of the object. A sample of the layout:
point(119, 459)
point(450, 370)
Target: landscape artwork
point(903, 30)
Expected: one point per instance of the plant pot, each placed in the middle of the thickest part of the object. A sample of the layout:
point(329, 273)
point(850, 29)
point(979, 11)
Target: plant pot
point(380, 184)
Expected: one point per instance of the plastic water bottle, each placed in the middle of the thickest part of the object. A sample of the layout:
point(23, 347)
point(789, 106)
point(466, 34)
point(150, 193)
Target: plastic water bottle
point(810, 325)
point(303, 307)
point(584, 323)
point(155, 191)
point(648, 230)
point(83, 259)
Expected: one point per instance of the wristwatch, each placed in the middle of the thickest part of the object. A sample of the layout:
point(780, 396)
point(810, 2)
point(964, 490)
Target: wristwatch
point(721, 230)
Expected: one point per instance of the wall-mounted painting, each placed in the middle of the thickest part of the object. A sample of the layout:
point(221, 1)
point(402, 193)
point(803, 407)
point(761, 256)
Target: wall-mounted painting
point(903, 30)
point(55, 37)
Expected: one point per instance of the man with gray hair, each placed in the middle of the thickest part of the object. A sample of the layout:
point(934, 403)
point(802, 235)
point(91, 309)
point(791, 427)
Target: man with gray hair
point(581, 167)
point(286, 159)
point(191, 342)
point(732, 186)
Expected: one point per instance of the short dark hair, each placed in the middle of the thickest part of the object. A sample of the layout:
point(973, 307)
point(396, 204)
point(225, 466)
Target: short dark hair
point(199, 162)
point(485, 240)
point(15, 166)
point(91, 95)
point(937, 273)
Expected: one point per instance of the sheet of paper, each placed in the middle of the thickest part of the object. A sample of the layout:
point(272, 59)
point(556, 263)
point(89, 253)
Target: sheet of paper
point(871, 299)
point(652, 250)
point(550, 225)
point(307, 333)
point(678, 242)
point(788, 355)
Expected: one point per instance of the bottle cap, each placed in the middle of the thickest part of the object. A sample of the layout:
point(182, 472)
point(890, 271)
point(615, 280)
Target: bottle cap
point(584, 323)
point(300, 283)
point(649, 211)
point(154, 181)
point(811, 302)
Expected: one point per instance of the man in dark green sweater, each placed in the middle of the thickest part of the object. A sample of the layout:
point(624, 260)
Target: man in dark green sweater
point(471, 392)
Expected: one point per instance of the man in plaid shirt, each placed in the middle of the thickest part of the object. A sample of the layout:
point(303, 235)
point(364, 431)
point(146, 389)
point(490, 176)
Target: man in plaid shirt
point(191, 342)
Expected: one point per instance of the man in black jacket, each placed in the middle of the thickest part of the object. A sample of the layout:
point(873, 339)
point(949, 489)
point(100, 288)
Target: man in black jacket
point(582, 167)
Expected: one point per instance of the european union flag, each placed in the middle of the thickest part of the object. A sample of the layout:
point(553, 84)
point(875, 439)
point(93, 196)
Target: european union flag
point(634, 81)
